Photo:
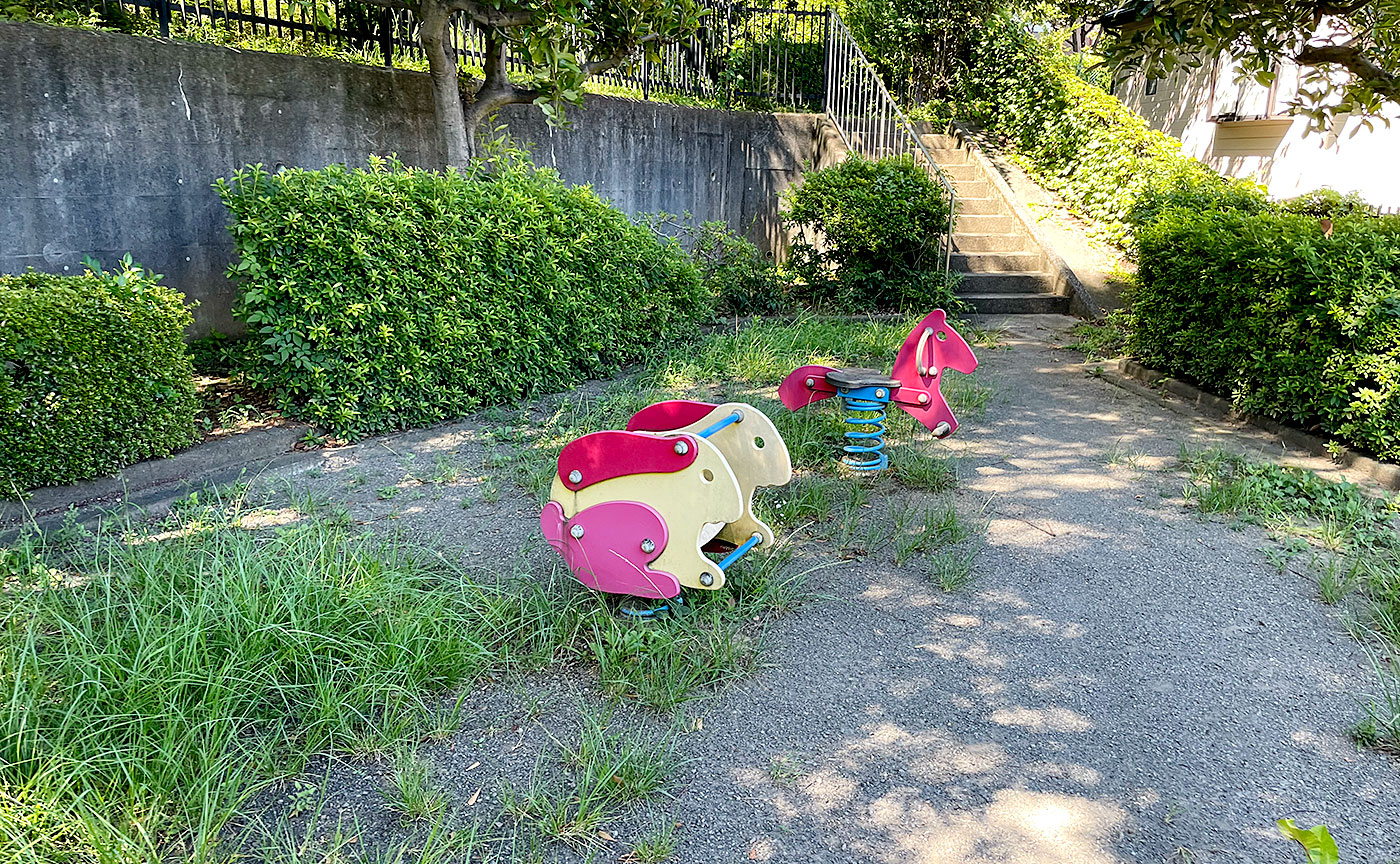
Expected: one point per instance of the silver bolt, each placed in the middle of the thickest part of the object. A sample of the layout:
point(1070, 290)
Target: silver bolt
point(923, 398)
point(707, 580)
point(648, 546)
point(576, 532)
point(811, 382)
point(575, 476)
point(682, 448)
point(942, 430)
point(880, 394)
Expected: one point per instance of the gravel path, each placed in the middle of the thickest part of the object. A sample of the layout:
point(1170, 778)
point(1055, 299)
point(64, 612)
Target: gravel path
point(1121, 683)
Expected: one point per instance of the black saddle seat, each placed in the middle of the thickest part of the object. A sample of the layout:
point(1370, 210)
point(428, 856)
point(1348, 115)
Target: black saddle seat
point(860, 378)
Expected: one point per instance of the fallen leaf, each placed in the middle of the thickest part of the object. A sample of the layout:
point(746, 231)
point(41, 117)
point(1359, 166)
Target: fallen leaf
point(471, 802)
point(603, 835)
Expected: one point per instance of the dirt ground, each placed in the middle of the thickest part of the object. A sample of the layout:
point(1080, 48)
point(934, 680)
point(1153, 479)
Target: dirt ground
point(1121, 681)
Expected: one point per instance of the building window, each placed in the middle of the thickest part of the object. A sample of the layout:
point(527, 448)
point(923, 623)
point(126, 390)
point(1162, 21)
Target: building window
point(1151, 87)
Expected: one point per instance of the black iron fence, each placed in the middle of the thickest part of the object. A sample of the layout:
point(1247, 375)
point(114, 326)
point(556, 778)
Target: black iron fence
point(743, 56)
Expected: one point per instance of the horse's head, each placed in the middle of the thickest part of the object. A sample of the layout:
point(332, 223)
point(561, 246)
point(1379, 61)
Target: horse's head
point(930, 348)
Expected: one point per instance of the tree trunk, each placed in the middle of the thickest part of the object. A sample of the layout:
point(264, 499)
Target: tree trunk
point(495, 91)
point(457, 141)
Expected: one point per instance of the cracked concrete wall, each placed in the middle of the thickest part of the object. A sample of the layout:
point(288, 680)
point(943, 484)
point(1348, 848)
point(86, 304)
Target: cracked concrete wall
point(111, 144)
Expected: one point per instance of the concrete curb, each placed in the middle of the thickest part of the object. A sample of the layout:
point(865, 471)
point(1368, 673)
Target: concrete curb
point(152, 486)
point(1150, 384)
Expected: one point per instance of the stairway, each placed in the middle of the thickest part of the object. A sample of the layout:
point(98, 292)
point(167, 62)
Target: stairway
point(1004, 269)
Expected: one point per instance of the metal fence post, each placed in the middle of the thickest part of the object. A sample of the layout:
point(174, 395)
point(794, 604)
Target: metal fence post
point(163, 12)
point(386, 36)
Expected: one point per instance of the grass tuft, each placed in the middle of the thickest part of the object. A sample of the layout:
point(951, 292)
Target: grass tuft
point(411, 789)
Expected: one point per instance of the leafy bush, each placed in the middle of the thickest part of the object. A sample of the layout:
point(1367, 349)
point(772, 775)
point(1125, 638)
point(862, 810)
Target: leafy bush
point(1327, 203)
point(94, 374)
point(1098, 154)
point(870, 236)
point(395, 297)
point(742, 280)
point(1287, 322)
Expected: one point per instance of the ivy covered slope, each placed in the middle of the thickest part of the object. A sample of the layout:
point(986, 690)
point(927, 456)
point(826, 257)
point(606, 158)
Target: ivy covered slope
point(1269, 310)
point(94, 375)
point(394, 297)
point(1101, 156)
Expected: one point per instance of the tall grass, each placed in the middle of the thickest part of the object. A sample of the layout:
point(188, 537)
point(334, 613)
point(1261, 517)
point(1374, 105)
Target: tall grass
point(154, 681)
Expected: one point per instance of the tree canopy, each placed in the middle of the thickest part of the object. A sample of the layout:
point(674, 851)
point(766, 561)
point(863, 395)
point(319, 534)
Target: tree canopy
point(560, 43)
point(1349, 51)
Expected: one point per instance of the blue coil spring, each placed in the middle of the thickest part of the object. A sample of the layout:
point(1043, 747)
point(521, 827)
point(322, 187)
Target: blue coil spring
point(865, 439)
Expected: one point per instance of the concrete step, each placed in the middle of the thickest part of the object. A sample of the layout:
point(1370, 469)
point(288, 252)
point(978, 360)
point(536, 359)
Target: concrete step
point(935, 140)
point(1004, 283)
point(1007, 242)
point(978, 223)
point(1017, 304)
point(961, 172)
point(978, 188)
point(980, 207)
point(996, 262)
point(950, 157)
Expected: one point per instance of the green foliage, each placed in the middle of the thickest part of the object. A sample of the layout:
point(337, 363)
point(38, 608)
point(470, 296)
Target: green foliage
point(395, 297)
point(1288, 323)
point(870, 236)
point(1327, 203)
point(72, 13)
point(94, 375)
point(742, 280)
point(917, 45)
point(1099, 155)
point(1317, 841)
point(748, 75)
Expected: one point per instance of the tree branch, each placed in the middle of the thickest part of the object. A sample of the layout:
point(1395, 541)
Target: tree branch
point(482, 14)
point(1339, 10)
point(1351, 58)
point(488, 16)
point(619, 54)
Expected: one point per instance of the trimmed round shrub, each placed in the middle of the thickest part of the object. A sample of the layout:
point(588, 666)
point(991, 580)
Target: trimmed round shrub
point(94, 375)
point(870, 236)
point(392, 297)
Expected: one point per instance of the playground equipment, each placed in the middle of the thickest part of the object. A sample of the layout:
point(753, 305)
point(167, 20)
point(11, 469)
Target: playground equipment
point(633, 512)
point(913, 385)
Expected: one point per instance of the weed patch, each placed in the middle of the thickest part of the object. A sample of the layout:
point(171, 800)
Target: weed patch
point(1357, 543)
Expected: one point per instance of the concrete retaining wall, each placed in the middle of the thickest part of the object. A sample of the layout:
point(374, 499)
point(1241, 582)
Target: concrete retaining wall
point(110, 144)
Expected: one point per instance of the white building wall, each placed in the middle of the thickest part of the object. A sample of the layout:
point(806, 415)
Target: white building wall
point(1273, 150)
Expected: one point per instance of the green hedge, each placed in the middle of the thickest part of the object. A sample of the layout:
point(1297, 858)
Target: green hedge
point(1101, 156)
point(1267, 310)
point(394, 297)
point(94, 375)
point(870, 236)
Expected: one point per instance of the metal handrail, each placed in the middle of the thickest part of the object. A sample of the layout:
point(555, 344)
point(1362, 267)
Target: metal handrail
point(869, 120)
